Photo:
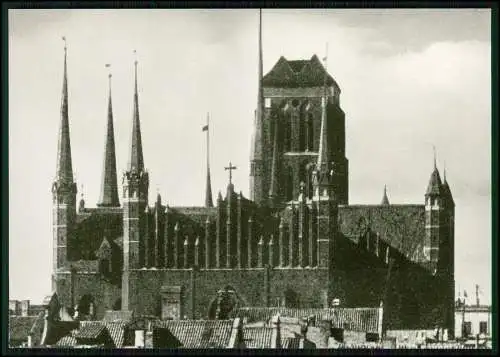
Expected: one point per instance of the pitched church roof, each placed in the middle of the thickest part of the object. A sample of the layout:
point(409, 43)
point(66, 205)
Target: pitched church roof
point(400, 226)
point(297, 74)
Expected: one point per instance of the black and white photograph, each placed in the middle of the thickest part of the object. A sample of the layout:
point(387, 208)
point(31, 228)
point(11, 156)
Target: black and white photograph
point(250, 178)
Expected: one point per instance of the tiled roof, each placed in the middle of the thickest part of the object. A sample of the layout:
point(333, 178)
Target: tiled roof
point(67, 341)
point(356, 319)
point(199, 333)
point(20, 327)
point(290, 343)
point(297, 74)
point(257, 337)
point(400, 226)
point(90, 329)
point(117, 332)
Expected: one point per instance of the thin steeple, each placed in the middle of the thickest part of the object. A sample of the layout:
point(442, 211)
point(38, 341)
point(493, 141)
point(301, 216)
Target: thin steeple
point(323, 152)
point(256, 180)
point(136, 162)
point(64, 171)
point(109, 188)
point(385, 199)
point(208, 189)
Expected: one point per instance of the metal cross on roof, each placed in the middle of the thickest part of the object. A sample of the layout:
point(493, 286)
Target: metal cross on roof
point(230, 168)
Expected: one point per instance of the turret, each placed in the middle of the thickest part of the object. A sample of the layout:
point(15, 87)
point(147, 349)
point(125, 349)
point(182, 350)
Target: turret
point(433, 218)
point(109, 188)
point(135, 200)
point(64, 188)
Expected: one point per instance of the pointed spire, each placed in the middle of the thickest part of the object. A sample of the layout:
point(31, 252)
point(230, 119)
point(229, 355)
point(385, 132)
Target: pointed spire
point(64, 171)
point(109, 188)
point(385, 199)
point(434, 150)
point(434, 186)
point(446, 188)
point(256, 179)
point(136, 158)
point(323, 152)
point(208, 189)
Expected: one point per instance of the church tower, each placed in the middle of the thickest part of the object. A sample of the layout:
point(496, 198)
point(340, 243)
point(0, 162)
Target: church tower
point(294, 104)
point(135, 201)
point(434, 218)
point(64, 187)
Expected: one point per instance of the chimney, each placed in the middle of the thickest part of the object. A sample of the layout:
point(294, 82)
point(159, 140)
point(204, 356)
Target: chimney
point(139, 338)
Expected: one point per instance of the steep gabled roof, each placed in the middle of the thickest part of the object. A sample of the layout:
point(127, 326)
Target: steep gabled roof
point(199, 333)
point(400, 226)
point(297, 74)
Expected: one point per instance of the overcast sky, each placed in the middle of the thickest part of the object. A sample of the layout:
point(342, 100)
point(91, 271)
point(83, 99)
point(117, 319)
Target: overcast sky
point(410, 79)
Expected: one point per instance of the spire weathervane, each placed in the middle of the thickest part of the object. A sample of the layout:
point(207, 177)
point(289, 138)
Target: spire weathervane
point(230, 168)
point(65, 43)
point(208, 188)
point(434, 150)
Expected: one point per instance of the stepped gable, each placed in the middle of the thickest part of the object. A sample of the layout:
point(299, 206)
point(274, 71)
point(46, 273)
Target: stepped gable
point(400, 226)
point(198, 333)
point(297, 74)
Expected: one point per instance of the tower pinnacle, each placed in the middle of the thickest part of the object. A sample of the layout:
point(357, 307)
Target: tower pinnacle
point(136, 162)
point(64, 171)
point(208, 188)
point(385, 199)
point(256, 165)
point(109, 187)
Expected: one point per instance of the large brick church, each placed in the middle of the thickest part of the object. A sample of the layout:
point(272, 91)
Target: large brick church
point(294, 242)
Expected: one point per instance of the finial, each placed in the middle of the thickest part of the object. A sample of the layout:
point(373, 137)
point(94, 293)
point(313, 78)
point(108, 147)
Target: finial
point(444, 171)
point(434, 150)
point(135, 56)
point(65, 43)
point(81, 191)
point(230, 168)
